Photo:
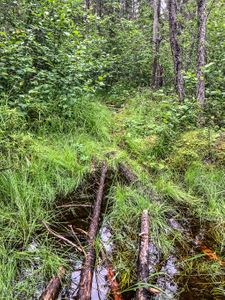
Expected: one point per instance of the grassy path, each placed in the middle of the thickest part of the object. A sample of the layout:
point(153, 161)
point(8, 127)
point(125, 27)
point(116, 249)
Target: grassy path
point(182, 163)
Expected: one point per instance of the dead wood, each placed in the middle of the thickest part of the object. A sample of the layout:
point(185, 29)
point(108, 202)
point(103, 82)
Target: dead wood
point(128, 174)
point(53, 288)
point(132, 178)
point(114, 285)
point(84, 292)
point(143, 267)
point(61, 237)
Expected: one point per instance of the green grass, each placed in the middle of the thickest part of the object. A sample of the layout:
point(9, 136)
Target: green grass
point(124, 221)
point(38, 166)
point(52, 155)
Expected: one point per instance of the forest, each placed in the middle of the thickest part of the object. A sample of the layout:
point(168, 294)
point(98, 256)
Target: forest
point(112, 145)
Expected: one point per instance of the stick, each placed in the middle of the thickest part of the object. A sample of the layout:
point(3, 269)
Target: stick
point(84, 292)
point(53, 288)
point(59, 236)
point(74, 205)
point(114, 285)
point(142, 268)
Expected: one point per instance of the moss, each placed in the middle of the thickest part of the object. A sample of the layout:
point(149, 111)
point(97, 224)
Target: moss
point(194, 145)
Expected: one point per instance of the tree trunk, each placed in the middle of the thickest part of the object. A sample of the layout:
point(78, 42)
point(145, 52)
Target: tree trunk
point(98, 7)
point(88, 4)
point(202, 19)
point(179, 80)
point(143, 267)
point(156, 44)
point(135, 8)
point(86, 277)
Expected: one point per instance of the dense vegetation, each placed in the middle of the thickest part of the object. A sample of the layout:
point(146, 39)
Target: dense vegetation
point(77, 86)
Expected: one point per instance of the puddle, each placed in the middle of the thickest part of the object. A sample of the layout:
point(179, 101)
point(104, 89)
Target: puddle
point(100, 286)
point(154, 258)
point(166, 281)
point(187, 282)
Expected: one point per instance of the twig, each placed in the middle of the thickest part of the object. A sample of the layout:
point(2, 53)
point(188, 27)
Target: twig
point(74, 205)
point(61, 237)
point(78, 241)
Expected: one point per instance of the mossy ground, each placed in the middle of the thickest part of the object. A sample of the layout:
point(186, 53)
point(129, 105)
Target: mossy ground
point(162, 145)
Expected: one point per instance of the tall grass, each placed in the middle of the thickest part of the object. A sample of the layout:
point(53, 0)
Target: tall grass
point(124, 221)
point(38, 166)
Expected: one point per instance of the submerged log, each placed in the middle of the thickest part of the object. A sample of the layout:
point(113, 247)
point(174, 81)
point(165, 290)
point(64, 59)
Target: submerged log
point(53, 288)
point(114, 285)
point(84, 292)
point(143, 267)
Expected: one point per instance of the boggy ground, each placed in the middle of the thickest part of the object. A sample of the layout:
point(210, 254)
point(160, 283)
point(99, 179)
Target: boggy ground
point(50, 177)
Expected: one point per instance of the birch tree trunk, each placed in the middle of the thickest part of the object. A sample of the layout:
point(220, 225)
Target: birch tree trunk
point(135, 8)
point(176, 52)
point(156, 44)
point(202, 19)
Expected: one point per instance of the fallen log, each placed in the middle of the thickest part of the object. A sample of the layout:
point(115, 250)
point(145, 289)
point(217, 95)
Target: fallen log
point(53, 288)
point(128, 174)
point(143, 267)
point(84, 292)
point(132, 178)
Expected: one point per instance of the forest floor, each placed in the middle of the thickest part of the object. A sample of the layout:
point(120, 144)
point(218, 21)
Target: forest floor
point(50, 177)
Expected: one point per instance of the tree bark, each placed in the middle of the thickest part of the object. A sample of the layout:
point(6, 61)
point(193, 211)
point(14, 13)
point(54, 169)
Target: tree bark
point(53, 288)
point(176, 52)
point(86, 277)
point(135, 8)
point(143, 267)
point(98, 7)
point(88, 4)
point(202, 19)
point(156, 44)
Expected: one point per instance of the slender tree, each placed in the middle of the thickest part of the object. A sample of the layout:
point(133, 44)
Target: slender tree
point(176, 52)
point(202, 19)
point(135, 8)
point(88, 3)
point(156, 44)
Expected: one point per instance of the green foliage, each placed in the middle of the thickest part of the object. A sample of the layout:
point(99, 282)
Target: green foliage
point(59, 65)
